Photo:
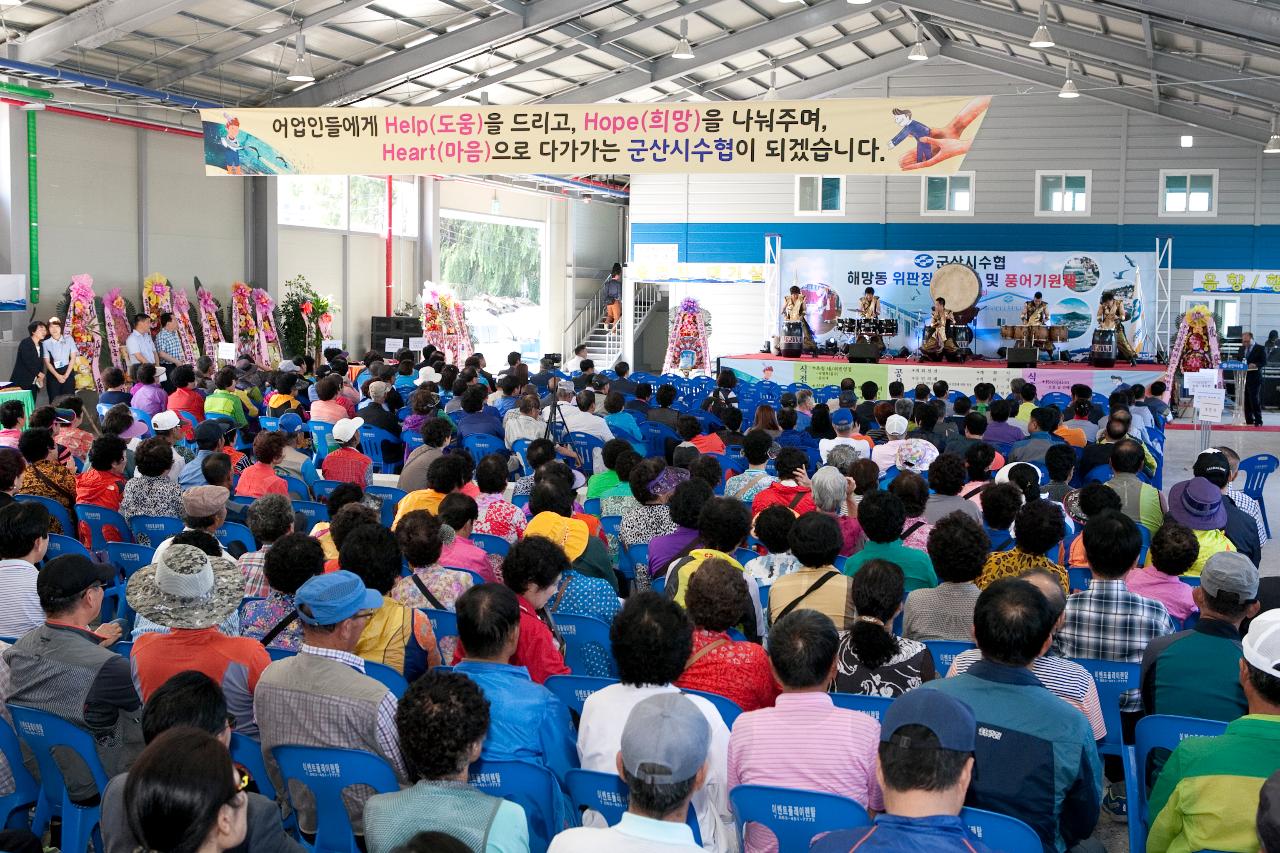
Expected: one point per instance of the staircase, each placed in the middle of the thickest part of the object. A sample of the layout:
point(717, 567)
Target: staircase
point(588, 326)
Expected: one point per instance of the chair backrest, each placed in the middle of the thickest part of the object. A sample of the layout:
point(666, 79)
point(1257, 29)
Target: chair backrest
point(585, 446)
point(59, 545)
point(481, 445)
point(394, 681)
point(1000, 833)
point(321, 432)
point(247, 752)
point(322, 488)
point(314, 511)
point(795, 816)
point(42, 732)
point(230, 532)
point(520, 447)
point(944, 652)
point(56, 509)
point(297, 488)
point(96, 518)
point(128, 557)
point(591, 506)
point(655, 437)
point(144, 418)
point(269, 423)
point(607, 794)
point(573, 690)
point(277, 653)
point(327, 773)
point(371, 439)
point(444, 623)
point(156, 528)
point(1157, 731)
point(1112, 678)
point(491, 544)
point(102, 409)
point(1079, 579)
point(580, 634)
point(1257, 468)
point(729, 709)
point(26, 790)
point(887, 477)
point(1099, 474)
point(391, 498)
point(874, 706)
point(529, 785)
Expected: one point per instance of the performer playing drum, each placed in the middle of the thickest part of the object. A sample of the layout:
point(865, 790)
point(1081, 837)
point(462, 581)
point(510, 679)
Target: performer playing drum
point(793, 312)
point(1035, 314)
point(936, 342)
point(869, 306)
point(1111, 317)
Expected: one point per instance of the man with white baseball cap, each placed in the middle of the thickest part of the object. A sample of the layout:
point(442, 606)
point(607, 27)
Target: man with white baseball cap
point(1206, 797)
point(345, 463)
point(886, 455)
point(167, 425)
point(663, 761)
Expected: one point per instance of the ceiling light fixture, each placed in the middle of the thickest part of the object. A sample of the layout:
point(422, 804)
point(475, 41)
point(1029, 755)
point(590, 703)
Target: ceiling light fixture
point(918, 53)
point(32, 106)
point(302, 71)
point(858, 2)
point(683, 49)
point(1273, 144)
point(495, 206)
point(1068, 89)
point(1186, 140)
point(1041, 38)
point(772, 94)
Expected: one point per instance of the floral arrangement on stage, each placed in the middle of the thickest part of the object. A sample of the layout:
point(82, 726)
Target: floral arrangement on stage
point(444, 323)
point(83, 325)
point(244, 326)
point(690, 331)
point(306, 318)
point(117, 311)
point(210, 325)
point(269, 340)
point(157, 299)
point(1196, 346)
point(181, 309)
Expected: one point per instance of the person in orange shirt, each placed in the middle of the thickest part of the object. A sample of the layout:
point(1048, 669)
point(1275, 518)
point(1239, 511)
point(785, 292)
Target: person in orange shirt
point(690, 430)
point(261, 478)
point(103, 484)
point(1081, 505)
point(185, 398)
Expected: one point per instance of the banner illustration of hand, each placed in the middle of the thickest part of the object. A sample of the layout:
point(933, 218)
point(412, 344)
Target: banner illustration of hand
point(943, 143)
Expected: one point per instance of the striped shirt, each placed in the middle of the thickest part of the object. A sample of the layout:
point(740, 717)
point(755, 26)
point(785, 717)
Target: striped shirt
point(1065, 679)
point(1250, 506)
point(388, 737)
point(20, 605)
point(805, 742)
point(255, 581)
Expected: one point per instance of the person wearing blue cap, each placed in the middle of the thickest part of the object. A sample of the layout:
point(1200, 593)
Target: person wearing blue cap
point(843, 421)
point(294, 435)
point(321, 696)
point(927, 744)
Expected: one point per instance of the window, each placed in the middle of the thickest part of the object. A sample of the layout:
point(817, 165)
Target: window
point(1192, 193)
point(368, 204)
point(312, 201)
point(1063, 193)
point(819, 195)
point(950, 195)
point(356, 203)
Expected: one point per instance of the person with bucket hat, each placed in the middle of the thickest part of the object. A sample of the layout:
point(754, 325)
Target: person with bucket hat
point(190, 593)
point(1197, 503)
point(321, 697)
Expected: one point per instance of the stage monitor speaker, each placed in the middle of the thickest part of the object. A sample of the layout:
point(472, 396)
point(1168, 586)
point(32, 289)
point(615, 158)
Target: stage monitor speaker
point(1023, 356)
point(863, 353)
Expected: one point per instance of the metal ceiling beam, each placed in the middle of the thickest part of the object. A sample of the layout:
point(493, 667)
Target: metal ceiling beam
point(1052, 79)
point(1011, 25)
point(1239, 17)
point(441, 51)
point(826, 85)
point(94, 26)
point(755, 37)
point(266, 39)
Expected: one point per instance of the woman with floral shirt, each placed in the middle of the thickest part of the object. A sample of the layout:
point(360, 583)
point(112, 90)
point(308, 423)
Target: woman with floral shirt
point(152, 492)
point(290, 562)
point(498, 517)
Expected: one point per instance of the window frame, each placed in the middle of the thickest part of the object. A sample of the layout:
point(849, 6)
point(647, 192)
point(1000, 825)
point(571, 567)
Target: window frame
point(410, 184)
point(1064, 174)
point(796, 196)
point(1212, 212)
point(973, 194)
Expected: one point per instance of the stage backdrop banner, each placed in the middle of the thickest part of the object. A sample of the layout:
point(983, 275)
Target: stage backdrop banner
point(1236, 281)
point(1072, 283)
point(864, 136)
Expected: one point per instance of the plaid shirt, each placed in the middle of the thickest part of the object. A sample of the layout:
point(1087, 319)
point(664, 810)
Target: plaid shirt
point(388, 737)
point(1108, 622)
point(1250, 506)
point(170, 344)
point(348, 465)
point(255, 582)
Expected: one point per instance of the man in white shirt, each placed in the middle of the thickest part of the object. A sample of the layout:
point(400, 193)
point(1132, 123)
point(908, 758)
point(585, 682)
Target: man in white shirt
point(139, 344)
point(580, 418)
point(654, 640)
point(663, 760)
point(886, 455)
point(842, 420)
point(24, 538)
point(575, 363)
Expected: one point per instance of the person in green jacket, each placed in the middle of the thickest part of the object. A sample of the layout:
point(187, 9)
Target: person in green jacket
point(224, 401)
point(882, 515)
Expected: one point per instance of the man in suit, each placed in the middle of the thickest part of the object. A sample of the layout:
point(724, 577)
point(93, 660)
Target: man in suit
point(1255, 356)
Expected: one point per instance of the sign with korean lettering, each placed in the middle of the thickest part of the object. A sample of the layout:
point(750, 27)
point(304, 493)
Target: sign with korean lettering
point(1071, 283)
point(1236, 281)
point(870, 136)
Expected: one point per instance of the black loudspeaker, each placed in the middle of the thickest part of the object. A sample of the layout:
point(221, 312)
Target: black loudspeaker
point(863, 353)
point(1064, 356)
point(1023, 356)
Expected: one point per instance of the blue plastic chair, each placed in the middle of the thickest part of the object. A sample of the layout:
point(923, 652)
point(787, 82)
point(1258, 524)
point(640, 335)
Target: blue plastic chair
point(1001, 833)
point(585, 446)
point(247, 752)
point(591, 506)
point(314, 511)
point(242, 500)
point(491, 544)
point(1189, 580)
point(156, 528)
point(1158, 731)
point(638, 555)
point(26, 790)
point(60, 545)
point(322, 488)
point(269, 423)
point(1256, 469)
point(144, 418)
point(744, 555)
point(521, 449)
point(321, 433)
point(56, 509)
point(122, 648)
point(393, 680)
point(230, 532)
point(520, 501)
point(277, 653)
point(607, 794)
point(1078, 579)
point(481, 445)
point(99, 517)
point(1112, 678)
point(873, 706)
point(42, 732)
point(580, 633)
point(944, 652)
point(128, 558)
point(573, 690)
point(391, 498)
point(729, 709)
point(1099, 474)
point(298, 489)
point(656, 436)
point(313, 767)
point(371, 442)
point(444, 623)
point(795, 816)
point(888, 476)
point(529, 785)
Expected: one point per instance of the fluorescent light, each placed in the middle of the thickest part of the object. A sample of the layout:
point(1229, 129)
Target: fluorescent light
point(302, 72)
point(683, 49)
point(918, 53)
point(1041, 38)
point(495, 206)
point(772, 94)
point(1186, 140)
point(33, 106)
point(858, 2)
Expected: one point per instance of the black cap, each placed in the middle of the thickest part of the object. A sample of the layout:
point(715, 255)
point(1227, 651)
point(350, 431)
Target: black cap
point(212, 429)
point(70, 575)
